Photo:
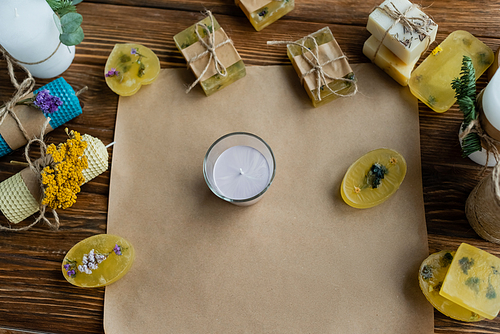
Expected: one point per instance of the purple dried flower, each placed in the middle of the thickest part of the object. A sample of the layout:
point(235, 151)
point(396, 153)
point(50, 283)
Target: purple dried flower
point(67, 266)
point(112, 73)
point(71, 273)
point(47, 103)
point(133, 51)
point(117, 250)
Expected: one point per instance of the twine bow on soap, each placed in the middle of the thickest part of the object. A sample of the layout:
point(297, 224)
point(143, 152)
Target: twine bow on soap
point(317, 67)
point(210, 47)
point(407, 22)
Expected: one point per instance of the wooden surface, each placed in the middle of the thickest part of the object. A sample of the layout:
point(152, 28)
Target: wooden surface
point(34, 296)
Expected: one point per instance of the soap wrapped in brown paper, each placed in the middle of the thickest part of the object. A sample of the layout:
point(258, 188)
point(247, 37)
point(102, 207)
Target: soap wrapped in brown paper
point(300, 260)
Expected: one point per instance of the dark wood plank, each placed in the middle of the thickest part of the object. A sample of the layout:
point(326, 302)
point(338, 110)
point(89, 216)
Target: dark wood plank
point(34, 296)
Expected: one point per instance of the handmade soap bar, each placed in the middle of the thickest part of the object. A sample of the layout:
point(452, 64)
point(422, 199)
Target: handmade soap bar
point(332, 72)
point(373, 178)
point(98, 261)
point(473, 281)
point(407, 42)
point(129, 66)
point(431, 275)
point(431, 81)
point(388, 61)
point(202, 63)
point(262, 13)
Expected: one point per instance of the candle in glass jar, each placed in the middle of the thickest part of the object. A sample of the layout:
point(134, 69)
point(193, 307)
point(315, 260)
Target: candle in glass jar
point(29, 34)
point(241, 172)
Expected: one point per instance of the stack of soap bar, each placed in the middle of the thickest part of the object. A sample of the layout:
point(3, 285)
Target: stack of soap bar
point(189, 44)
point(325, 46)
point(473, 281)
point(394, 47)
point(431, 81)
point(262, 13)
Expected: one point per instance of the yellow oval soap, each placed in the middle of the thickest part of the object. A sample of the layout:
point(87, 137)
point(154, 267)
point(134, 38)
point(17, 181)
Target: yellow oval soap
point(430, 278)
point(373, 178)
point(129, 66)
point(98, 261)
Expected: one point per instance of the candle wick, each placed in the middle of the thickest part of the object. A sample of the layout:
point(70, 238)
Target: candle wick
point(17, 15)
point(241, 172)
point(109, 145)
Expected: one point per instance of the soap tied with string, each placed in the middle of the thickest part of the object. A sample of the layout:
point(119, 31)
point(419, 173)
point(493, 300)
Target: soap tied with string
point(210, 55)
point(32, 119)
point(262, 13)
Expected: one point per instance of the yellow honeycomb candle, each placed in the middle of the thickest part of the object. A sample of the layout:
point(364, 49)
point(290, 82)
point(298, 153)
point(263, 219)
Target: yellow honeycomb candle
point(202, 63)
point(322, 49)
point(473, 281)
point(373, 178)
point(387, 61)
point(262, 13)
point(98, 261)
point(431, 81)
point(129, 66)
point(431, 275)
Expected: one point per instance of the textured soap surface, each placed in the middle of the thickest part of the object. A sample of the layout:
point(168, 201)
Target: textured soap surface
point(473, 281)
point(263, 16)
point(406, 44)
point(387, 61)
point(431, 81)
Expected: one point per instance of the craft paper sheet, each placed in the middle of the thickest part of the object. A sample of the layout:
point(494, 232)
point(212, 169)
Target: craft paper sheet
point(298, 261)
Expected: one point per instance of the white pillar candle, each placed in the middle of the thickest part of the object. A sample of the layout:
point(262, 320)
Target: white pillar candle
point(29, 34)
point(239, 168)
point(489, 117)
point(241, 172)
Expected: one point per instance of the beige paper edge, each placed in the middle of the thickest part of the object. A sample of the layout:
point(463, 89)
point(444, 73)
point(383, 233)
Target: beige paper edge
point(300, 260)
point(226, 54)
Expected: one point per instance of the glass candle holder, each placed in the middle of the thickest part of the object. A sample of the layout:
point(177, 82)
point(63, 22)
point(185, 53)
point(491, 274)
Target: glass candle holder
point(239, 168)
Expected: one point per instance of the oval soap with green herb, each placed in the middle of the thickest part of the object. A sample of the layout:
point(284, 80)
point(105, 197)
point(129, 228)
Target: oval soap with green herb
point(130, 66)
point(373, 178)
point(98, 261)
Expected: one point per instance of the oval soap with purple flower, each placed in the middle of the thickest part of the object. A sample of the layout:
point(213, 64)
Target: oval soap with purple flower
point(98, 261)
point(129, 66)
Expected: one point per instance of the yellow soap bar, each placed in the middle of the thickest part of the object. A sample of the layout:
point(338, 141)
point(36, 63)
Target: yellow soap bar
point(387, 61)
point(473, 281)
point(130, 66)
point(431, 81)
point(262, 13)
point(98, 261)
point(431, 275)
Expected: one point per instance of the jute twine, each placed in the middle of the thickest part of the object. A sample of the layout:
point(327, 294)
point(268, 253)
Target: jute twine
point(483, 204)
point(210, 47)
point(407, 22)
point(33, 63)
point(317, 67)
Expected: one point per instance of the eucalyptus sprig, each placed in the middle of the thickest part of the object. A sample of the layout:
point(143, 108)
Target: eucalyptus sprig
point(68, 21)
point(465, 92)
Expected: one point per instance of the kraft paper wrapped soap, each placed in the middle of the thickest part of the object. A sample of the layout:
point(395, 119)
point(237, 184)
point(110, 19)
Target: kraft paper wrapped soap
point(322, 67)
point(473, 281)
point(388, 61)
point(407, 38)
point(214, 69)
point(431, 81)
point(262, 13)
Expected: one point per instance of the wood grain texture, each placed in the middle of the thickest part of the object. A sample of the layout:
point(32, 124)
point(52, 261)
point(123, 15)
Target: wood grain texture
point(35, 298)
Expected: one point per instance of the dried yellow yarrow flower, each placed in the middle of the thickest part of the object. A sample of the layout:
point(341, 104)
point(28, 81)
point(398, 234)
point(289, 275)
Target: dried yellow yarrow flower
point(63, 177)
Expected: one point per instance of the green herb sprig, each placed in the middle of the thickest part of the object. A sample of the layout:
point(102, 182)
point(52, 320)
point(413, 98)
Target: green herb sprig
point(68, 21)
point(465, 92)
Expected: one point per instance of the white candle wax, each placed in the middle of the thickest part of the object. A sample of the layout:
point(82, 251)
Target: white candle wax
point(29, 34)
point(241, 172)
point(491, 110)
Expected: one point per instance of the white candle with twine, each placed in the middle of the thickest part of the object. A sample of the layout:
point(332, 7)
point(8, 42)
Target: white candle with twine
point(489, 117)
point(29, 34)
